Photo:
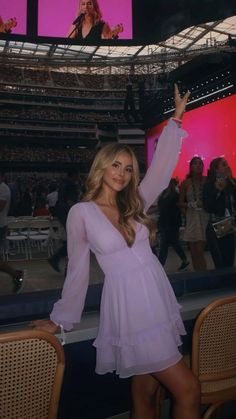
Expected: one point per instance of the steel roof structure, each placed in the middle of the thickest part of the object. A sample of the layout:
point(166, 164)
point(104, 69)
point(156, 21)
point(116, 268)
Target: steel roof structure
point(162, 57)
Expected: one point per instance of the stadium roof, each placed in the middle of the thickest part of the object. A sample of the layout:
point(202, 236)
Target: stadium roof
point(161, 57)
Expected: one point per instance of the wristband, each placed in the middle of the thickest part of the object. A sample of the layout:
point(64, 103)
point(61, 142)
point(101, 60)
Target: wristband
point(179, 121)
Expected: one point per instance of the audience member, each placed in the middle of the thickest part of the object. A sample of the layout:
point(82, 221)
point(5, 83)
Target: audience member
point(52, 198)
point(68, 195)
point(5, 197)
point(219, 200)
point(196, 217)
point(169, 222)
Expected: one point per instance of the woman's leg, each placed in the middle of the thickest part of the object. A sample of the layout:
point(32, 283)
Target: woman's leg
point(164, 244)
point(197, 255)
point(144, 389)
point(182, 384)
point(185, 389)
point(227, 248)
point(213, 244)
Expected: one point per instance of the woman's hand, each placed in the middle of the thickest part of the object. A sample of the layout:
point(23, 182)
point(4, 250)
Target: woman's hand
point(46, 325)
point(180, 103)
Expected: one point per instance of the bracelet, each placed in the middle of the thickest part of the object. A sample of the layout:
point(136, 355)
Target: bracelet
point(179, 121)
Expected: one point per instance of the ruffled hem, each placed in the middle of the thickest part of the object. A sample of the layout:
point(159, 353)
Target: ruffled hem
point(135, 360)
point(175, 328)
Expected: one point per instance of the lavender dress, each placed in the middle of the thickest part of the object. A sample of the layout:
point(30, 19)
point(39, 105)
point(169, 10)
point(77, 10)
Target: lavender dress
point(140, 323)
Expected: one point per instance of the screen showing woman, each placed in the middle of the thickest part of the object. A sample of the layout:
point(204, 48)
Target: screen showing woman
point(86, 20)
point(13, 17)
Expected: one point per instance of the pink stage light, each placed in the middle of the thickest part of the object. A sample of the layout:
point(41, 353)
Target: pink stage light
point(211, 133)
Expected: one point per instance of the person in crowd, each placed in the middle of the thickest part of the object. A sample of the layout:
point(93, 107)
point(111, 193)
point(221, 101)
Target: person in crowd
point(219, 200)
point(130, 111)
point(89, 25)
point(52, 198)
point(5, 197)
point(196, 218)
point(25, 205)
point(140, 323)
point(40, 203)
point(68, 195)
point(169, 222)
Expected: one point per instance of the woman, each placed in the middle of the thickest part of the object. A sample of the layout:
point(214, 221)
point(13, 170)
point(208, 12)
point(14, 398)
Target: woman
point(196, 218)
point(219, 199)
point(169, 222)
point(89, 25)
point(140, 324)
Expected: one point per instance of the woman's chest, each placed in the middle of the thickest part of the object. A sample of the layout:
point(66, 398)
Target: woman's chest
point(105, 235)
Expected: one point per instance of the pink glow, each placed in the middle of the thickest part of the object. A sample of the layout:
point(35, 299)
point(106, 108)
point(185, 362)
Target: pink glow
point(211, 133)
point(17, 9)
point(55, 18)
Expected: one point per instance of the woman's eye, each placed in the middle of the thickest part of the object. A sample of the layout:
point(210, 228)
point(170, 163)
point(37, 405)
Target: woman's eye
point(129, 170)
point(115, 165)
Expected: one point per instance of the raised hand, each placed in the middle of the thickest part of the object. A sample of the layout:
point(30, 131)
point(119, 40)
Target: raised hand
point(180, 103)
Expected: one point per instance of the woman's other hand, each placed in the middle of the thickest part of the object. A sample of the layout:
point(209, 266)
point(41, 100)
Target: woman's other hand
point(46, 325)
point(180, 103)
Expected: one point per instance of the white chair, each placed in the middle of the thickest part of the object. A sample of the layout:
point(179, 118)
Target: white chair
point(39, 237)
point(17, 239)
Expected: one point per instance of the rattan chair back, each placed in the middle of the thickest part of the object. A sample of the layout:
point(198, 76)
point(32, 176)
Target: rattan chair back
point(31, 374)
point(214, 352)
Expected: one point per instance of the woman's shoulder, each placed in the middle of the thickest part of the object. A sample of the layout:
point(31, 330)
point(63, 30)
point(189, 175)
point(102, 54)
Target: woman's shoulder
point(80, 208)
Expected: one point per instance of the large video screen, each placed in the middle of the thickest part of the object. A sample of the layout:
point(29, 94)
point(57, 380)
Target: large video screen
point(13, 17)
point(105, 22)
point(211, 133)
point(93, 20)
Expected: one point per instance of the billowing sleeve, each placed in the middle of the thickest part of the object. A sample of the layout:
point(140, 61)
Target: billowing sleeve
point(68, 309)
point(163, 163)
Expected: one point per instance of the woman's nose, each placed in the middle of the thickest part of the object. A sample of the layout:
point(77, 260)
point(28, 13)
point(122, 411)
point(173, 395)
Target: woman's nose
point(121, 171)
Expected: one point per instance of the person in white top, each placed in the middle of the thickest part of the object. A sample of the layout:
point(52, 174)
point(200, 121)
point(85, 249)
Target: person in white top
point(5, 198)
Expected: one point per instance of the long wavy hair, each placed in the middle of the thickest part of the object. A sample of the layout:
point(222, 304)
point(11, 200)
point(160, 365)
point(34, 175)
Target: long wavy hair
point(97, 14)
point(129, 201)
point(214, 164)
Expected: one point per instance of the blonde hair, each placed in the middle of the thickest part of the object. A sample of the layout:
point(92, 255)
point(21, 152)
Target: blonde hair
point(97, 14)
point(129, 201)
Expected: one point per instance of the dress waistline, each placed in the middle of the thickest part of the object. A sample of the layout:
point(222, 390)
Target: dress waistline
point(126, 259)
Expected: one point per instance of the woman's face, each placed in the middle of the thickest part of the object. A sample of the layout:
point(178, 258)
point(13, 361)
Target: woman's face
point(196, 166)
point(87, 7)
point(119, 173)
point(223, 167)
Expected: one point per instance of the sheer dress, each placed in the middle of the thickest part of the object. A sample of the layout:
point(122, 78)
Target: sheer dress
point(140, 323)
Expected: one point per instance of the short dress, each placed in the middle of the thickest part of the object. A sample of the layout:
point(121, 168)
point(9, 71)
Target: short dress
point(140, 323)
point(196, 219)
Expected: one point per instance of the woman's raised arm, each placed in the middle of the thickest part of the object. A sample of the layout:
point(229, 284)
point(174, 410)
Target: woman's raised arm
point(166, 154)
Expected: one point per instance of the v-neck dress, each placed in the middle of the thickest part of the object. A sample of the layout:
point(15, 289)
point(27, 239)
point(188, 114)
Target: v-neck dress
point(140, 323)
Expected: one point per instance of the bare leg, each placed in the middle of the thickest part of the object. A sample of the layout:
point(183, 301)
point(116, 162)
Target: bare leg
point(185, 389)
point(197, 255)
point(144, 388)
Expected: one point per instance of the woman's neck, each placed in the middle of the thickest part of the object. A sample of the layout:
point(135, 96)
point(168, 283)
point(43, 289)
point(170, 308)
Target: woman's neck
point(107, 199)
point(196, 176)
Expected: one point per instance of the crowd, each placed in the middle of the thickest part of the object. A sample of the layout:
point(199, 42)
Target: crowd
point(49, 77)
point(203, 207)
point(44, 113)
point(208, 215)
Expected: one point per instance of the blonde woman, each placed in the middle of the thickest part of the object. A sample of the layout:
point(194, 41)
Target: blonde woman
point(140, 323)
point(89, 26)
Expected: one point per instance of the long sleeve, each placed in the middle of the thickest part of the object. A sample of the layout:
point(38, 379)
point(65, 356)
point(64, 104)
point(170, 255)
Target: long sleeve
point(68, 309)
point(163, 163)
